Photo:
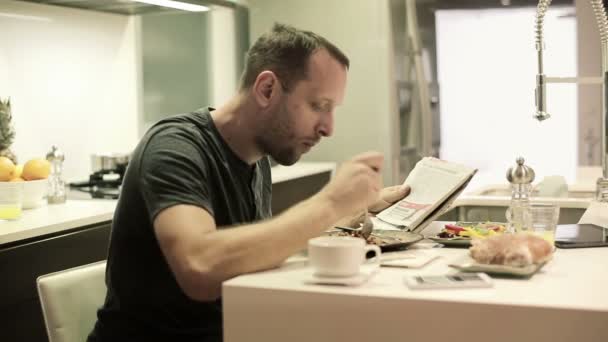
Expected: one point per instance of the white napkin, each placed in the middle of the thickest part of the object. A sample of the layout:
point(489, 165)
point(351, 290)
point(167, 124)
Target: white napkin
point(597, 214)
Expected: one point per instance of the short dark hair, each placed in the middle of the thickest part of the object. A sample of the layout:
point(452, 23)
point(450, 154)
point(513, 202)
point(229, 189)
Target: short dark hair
point(285, 51)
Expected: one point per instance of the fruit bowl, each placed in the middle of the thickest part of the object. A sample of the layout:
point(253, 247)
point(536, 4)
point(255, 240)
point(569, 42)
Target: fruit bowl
point(25, 185)
point(34, 193)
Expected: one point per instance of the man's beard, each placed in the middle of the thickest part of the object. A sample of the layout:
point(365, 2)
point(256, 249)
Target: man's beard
point(276, 138)
point(286, 156)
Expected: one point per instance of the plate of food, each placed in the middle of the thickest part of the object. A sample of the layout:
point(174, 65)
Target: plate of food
point(387, 240)
point(461, 233)
point(512, 255)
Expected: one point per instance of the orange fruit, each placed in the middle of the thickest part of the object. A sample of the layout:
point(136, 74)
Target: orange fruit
point(6, 169)
point(36, 169)
point(17, 179)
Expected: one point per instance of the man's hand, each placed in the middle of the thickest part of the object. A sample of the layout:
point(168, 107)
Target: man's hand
point(389, 196)
point(356, 184)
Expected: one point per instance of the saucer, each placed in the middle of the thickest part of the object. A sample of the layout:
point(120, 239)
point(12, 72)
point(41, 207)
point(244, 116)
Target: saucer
point(364, 275)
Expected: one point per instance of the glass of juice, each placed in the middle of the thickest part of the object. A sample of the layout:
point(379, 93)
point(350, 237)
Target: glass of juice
point(542, 220)
point(11, 199)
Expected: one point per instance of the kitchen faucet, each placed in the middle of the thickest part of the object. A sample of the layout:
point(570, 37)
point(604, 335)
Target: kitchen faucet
point(541, 81)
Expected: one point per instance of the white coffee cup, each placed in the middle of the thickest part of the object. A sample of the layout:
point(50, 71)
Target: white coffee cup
point(340, 256)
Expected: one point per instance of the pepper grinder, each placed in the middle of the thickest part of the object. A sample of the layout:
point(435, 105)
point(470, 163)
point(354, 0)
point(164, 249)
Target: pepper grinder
point(57, 192)
point(521, 177)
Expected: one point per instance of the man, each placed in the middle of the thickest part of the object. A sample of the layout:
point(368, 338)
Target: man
point(195, 204)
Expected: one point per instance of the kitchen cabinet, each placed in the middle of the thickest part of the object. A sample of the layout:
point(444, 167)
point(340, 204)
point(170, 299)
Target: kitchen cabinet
point(44, 240)
point(23, 261)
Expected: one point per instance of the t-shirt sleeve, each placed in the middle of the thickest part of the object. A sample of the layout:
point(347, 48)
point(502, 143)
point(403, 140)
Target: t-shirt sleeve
point(174, 171)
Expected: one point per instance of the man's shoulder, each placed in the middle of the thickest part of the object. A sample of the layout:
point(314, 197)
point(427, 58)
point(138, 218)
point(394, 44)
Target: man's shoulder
point(199, 119)
point(195, 125)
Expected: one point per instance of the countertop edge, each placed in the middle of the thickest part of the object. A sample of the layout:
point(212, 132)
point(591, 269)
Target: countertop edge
point(41, 231)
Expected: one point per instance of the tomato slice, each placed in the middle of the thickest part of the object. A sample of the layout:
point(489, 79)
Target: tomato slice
point(454, 228)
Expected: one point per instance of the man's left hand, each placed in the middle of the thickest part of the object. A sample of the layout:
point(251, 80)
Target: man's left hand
point(389, 196)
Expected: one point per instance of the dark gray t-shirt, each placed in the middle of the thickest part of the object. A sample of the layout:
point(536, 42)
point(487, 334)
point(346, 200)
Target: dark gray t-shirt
point(180, 160)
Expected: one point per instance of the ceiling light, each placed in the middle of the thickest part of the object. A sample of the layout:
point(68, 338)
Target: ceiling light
point(24, 17)
point(176, 4)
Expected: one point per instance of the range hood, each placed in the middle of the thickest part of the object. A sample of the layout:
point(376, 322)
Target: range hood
point(129, 7)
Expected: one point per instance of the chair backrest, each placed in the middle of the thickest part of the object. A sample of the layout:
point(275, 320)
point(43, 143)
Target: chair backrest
point(70, 299)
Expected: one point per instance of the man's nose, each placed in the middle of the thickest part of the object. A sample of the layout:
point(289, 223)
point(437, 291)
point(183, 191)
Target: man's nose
point(326, 126)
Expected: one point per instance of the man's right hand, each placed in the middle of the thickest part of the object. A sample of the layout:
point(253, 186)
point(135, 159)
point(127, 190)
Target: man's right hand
point(356, 184)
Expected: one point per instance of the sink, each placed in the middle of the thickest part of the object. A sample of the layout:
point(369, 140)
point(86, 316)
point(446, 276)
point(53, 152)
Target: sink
point(574, 191)
point(492, 208)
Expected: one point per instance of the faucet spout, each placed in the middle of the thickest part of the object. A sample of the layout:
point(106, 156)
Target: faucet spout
point(540, 93)
point(541, 80)
point(541, 98)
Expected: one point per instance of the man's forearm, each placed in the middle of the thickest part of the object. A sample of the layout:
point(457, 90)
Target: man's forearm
point(266, 244)
point(244, 249)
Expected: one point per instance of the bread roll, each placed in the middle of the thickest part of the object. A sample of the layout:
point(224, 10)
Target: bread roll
point(518, 250)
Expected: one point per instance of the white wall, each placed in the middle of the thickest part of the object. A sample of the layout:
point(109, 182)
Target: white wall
point(589, 95)
point(360, 28)
point(487, 69)
point(223, 55)
point(72, 79)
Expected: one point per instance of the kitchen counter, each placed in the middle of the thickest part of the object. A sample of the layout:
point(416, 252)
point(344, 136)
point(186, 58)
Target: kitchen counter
point(566, 301)
point(56, 218)
point(504, 201)
point(51, 219)
point(285, 173)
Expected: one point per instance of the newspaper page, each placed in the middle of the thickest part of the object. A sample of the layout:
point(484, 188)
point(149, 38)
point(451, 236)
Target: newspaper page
point(432, 181)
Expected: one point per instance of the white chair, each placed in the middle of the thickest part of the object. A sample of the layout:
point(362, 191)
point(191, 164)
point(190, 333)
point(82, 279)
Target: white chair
point(70, 299)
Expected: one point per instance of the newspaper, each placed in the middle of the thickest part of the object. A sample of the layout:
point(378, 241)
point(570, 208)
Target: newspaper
point(434, 184)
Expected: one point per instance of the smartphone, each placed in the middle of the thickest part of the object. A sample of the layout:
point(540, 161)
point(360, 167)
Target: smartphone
point(449, 281)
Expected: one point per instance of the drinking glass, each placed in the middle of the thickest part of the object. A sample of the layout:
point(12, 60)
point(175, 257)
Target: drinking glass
point(542, 220)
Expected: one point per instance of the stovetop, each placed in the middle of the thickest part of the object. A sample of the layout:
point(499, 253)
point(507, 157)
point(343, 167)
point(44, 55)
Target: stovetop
point(93, 193)
point(101, 185)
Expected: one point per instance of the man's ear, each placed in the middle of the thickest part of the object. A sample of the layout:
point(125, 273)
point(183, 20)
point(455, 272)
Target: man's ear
point(265, 88)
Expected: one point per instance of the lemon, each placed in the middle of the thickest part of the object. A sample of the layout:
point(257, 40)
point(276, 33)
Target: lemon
point(6, 169)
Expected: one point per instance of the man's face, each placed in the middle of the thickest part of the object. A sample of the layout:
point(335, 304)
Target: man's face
point(303, 116)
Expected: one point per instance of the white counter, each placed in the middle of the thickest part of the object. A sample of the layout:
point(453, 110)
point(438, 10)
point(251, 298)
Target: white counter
point(285, 173)
point(566, 301)
point(504, 201)
point(55, 218)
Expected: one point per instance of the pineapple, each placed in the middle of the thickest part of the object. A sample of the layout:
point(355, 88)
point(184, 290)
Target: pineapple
point(7, 132)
